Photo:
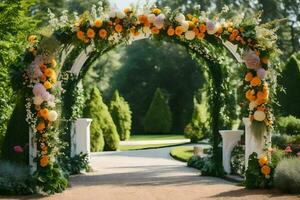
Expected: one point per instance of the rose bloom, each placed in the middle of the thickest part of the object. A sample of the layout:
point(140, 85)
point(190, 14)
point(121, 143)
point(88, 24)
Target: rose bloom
point(288, 149)
point(18, 149)
point(251, 60)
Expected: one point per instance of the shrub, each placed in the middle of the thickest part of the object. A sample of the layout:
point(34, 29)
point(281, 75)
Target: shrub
point(103, 120)
point(289, 125)
point(277, 156)
point(158, 117)
point(182, 153)
point(15, 179)
point(73, 165)
point(290, 79)
point(197, 127)
point(237, 161)
point(121, 114)
point(287, 175)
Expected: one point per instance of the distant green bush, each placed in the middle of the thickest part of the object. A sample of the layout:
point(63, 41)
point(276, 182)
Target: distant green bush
point(287, 175)
point(289, 125)
point(196, 129)
point(158, 117)
point(290, 79)
point(103, 124)
point(277, 156)
point(121, 114)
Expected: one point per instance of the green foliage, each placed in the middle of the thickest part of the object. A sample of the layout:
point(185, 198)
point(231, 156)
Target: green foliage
point(93, 111)
point(73, 165)
point(15, 179)
point(254, 176)
point(287, 175)
point(103, 124)
point(281, 141)
point(121, 114)
point(288, 125)
point(158, 117)
point(289, 80)
point(277, 156)
point(237, 160)
point(79, 102)
point(195, 162)
point(196, 129)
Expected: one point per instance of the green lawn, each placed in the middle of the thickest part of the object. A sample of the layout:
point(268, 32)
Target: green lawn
point(155, 137)
point(182, 153)
point(147, 146)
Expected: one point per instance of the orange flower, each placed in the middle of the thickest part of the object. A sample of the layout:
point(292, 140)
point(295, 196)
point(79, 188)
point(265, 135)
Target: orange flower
point(260, 101)
point(117, 20)
point(170, 31)
point(196, 31)
point(143, 19)
point(264, 60)
point(43, 78)
point(118, 28)
point(40, 127)
point(80, 35)
point(250, 96)
point(263, 160)
point(102, 33)
point(90, 33)
point(155, 30)
point(86, 40)
point(248, 77)
point(32, 39)
point(44, 113)
point(200, 36)
point(43, 67)
point(262, 95)
point(98, 23)
point(219, 30)
point(49, 72)
point(47, 85)
point(156, 11)
point(44, 161)
point(202, 28)
point(179, 30)
point(255, 81)
point(265, 170)
point(191, 24)
point(235, 32)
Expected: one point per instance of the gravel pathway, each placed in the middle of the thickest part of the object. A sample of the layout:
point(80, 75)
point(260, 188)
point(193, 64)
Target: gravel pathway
point(151, 175)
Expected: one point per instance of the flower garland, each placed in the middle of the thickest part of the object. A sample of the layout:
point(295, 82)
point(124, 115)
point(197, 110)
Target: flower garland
point(103, 28)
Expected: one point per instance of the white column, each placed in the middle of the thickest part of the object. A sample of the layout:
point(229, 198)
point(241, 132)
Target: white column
point(252, 144)
point(230, 138)
point(32, 151)
point(80, 137)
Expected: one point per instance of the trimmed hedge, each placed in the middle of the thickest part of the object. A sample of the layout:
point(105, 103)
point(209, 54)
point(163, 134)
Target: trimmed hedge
point(289, 125)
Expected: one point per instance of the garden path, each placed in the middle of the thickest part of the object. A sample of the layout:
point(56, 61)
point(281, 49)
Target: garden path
point(151, 175)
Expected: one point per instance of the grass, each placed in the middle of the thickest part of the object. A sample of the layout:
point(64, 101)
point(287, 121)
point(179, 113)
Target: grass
point(182, 153)
point(146, 146)
point(156, 137)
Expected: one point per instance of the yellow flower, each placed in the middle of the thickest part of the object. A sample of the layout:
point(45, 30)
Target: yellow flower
point(248, 77)
point(53, 63)
point(98, 23)
point(32, 39)
point(44, 161)
point(265, 170)
point(118, 28)
point(40, 127)
point(200, 36)
point(44, 113)
point(90, 33)
point(47, 85)
point(171, 31)
point(263, 160)
point(49, 72)
point(127, 10)
point(80, 35)
point(156, 11)
point(102, 33)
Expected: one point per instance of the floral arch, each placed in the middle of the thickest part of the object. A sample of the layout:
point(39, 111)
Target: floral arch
point(60, 59)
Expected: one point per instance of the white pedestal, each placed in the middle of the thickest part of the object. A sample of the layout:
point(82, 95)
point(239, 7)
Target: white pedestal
point(251, 142)
point(230, 138)
point(32, 151)
point(198, 150)
point(80, 137)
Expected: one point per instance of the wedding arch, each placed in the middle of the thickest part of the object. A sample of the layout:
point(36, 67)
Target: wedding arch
point(55, 62)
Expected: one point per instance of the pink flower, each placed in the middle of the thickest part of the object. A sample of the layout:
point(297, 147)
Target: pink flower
point(211, 27)
point(18, 149)
point(38, 89)
point(288, 149)
point(251, 60)
point(261, 73)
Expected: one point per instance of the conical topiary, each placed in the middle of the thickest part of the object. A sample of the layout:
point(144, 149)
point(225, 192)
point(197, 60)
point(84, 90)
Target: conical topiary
point(121, 114)
point(158, 117)
point(105, 125)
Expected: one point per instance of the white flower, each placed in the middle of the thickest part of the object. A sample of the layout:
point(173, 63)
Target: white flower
point(259, 115)
point(52, 116)
point(159, 21)
point(51, 104)
point(252, 105)
point(211, 27)
point(185, 25)
point(120, 14)
point(180, 17)
point(190, 35)
point(38, 100)
point(146, 30)
point(151, 18)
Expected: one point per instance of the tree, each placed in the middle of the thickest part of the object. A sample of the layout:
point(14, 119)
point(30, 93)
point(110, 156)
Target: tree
point(104, 120)
point(121, 114)
point(158, 118)
point(290, 80)
point(197, 128)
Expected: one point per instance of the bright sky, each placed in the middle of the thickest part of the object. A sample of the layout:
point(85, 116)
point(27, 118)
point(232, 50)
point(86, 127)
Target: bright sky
point(125, 3)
